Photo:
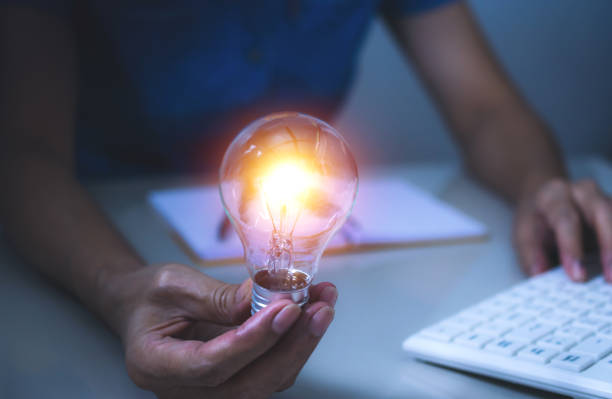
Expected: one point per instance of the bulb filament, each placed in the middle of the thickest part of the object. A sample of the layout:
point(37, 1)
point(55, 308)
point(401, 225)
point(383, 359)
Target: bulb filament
point(280, 254)
point(284, 191)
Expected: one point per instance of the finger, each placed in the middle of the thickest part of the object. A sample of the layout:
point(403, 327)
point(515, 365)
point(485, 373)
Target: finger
point(200, 296)
point(597, 210)
point(557, 207)
point(325, 292)
point(196, 363)
point(324, 317)
point(202, 331)
point(529, 240)
point(278, 368)
point(232, 386)
point(322, 292)
point(227, 303)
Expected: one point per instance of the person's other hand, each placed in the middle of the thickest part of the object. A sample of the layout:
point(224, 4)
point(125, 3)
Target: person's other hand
point(554, 217)
point(187, 335)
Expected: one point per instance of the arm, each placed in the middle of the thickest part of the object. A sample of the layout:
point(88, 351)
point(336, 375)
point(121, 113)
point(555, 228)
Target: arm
point(504, 143)
point(47, 215)
point(168, 316)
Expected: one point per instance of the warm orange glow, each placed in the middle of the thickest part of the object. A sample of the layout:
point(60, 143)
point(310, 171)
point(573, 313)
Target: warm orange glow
point(285, 190)
point(287, 183)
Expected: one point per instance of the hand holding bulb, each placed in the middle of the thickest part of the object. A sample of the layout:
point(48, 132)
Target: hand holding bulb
point(187, 335)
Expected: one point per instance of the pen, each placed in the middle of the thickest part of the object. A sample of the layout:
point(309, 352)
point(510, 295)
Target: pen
point(224, 228)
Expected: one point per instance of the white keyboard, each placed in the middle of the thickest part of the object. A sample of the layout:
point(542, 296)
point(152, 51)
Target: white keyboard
point(547, 332)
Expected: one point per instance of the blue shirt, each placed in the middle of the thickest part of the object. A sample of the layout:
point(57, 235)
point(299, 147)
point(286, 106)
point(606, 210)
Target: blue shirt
point(164, 85)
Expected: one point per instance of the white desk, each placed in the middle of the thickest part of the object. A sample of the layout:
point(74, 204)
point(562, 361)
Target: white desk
point(52, 347)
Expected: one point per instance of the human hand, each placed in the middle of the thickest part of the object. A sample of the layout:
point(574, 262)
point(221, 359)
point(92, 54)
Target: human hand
point(187, 335)
point(554, 217)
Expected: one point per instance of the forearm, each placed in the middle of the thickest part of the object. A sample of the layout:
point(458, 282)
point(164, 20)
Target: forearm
point(511, 150)
point(53, 223)
point(44, 212)
point(504, 143)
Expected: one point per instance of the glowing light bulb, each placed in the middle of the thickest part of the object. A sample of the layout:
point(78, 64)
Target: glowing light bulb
point(288, 182)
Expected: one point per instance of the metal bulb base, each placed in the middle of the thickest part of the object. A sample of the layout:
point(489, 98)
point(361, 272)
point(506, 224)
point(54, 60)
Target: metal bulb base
point(261, 297)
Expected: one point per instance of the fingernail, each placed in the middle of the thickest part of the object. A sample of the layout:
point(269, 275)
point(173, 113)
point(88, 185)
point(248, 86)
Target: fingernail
point(329, 295)
point(578, 273)
point(285, 318)
point(321, 320)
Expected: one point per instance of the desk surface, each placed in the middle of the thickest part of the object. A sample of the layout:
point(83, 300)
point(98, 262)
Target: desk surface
point(52, 347)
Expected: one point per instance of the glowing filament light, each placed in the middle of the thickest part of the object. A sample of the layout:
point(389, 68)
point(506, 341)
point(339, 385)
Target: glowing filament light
point(285, 191)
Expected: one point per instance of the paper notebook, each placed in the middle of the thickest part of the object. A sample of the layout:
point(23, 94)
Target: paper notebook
point(387, 212)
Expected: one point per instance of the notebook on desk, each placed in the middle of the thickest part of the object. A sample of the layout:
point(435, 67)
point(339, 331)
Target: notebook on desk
point(388, 212)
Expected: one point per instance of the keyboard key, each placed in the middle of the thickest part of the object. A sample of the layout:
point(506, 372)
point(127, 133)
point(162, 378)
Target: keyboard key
point(537, 354)
point(534, 309)
point(605, 289)
point(561, 297)
point(500, 304)
point(530, 331)
point(602, 370)
point(596, 297)
point(596, 347)
point(570, 309)
point(557, 343)
point(494, 329)
point(607, 362)
point(480, 313)
point(572, 361)
point(577, 333)
point(514, 318)
point(549, 301)
point(473, 340)
point(550, 279)
point(555, 319)
point(593, 323)
point(523, 296)
point(465, 322)
point(603, 313)
point(514, 297)
point(606, 332)
point(595, 283)
point(587, 303)
point(510, 298)
point(506, 347)
point(442, 332)
point(531, 290)
point(570, 289)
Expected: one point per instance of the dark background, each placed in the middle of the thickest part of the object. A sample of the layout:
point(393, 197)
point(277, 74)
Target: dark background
point(559, 52)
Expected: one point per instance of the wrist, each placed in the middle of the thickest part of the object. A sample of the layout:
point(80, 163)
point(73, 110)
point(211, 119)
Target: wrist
point(534, 181)
point(118, 290)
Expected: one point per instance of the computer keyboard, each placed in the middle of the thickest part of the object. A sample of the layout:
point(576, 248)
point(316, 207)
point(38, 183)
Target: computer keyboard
point(546, 332)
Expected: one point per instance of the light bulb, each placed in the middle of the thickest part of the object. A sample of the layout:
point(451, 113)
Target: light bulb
point(288, 182)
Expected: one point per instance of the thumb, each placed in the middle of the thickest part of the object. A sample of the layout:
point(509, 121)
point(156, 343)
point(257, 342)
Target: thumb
point(228, 304)
point(200, 296)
